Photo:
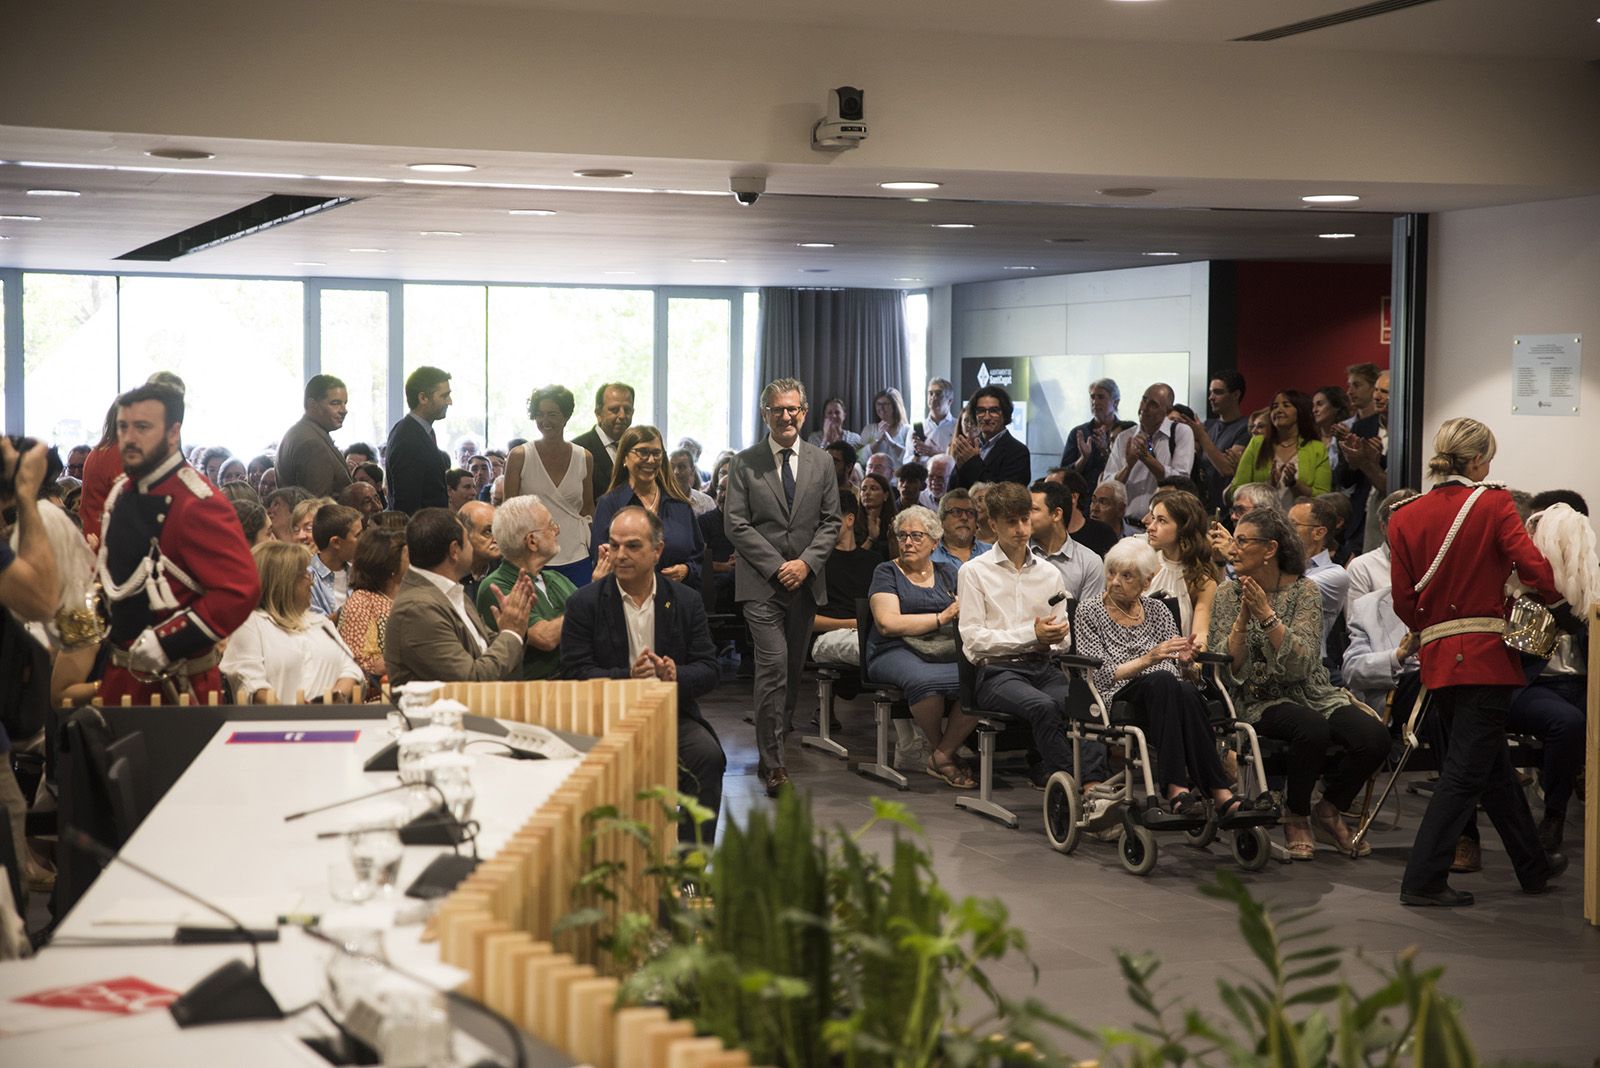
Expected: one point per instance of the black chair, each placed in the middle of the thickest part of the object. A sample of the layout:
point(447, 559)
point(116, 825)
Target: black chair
point(884, 699)
point(128, 778)
point(991, 725)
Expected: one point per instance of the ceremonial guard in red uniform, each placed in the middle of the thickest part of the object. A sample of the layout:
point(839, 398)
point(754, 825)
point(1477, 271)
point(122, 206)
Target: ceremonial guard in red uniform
point(174, 565)
point(1451, 552)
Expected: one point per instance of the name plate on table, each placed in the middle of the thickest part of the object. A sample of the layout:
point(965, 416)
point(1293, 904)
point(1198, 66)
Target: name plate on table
point(290, 737)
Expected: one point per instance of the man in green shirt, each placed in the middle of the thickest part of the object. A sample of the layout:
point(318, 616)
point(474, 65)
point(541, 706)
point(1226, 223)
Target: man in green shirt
point(526, 534)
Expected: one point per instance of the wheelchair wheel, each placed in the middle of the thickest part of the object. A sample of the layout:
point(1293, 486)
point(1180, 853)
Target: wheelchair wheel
point(1201, 837)
point(1138, 848)
point(1063, 812)
point(1251, 848)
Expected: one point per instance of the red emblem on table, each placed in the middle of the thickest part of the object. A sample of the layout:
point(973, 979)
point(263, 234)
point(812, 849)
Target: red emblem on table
point(124, 996)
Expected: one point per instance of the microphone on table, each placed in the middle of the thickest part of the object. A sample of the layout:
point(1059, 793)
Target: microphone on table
point(437, 826)
point(232, 992)
point(520, 1056)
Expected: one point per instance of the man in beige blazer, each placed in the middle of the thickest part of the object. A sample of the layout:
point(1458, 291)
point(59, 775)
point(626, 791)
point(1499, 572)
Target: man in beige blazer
point(433, 633)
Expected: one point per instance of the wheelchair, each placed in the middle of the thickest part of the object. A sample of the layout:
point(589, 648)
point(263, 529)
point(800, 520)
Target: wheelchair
point(1133, 789)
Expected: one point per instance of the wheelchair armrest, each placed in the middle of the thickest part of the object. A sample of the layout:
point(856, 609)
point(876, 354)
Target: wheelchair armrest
point(1212, 658)
point(1076, 662)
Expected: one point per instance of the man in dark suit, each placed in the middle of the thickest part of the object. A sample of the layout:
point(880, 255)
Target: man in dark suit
point(307, 456)
point(433, 632)
point(613, 414)
point(995, 456)
point(636, 623)
point(415, 465)
point(782, 516)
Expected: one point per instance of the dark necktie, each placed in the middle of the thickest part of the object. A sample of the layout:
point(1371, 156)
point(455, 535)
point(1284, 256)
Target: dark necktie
point(788, 476)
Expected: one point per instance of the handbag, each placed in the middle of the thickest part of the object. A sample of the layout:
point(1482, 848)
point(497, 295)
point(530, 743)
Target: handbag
point(936, 647)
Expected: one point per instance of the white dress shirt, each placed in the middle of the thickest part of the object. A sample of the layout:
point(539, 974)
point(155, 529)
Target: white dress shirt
point(1333, 581)
point(456, 594)
point(999, 604)
point(1174, 450)
point(791, 463)
point(1371, 669)
point(1368, 572)
point(641, 621)
point(939, 434)
point(609, 443)
point(263, 656)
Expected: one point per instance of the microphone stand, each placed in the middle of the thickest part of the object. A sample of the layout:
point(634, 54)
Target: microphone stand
point(233, 991)
point(437, 826)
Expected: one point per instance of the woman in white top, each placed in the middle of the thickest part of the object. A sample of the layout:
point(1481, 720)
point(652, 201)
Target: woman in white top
point(1177, 531)
point(891, 434)
point(832, 428)
point(556, 471)
point(285, 651)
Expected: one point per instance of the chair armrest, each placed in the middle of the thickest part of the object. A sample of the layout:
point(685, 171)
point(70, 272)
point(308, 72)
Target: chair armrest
point(1212, 658)
point(1076, 662)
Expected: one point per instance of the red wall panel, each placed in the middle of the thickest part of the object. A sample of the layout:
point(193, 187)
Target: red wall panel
point(1301, 324)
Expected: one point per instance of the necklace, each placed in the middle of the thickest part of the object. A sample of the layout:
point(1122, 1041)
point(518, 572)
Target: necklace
point(1133, 620)
point(914, 576)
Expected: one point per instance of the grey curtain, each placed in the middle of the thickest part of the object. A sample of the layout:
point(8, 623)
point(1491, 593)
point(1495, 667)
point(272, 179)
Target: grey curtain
point(845, 343)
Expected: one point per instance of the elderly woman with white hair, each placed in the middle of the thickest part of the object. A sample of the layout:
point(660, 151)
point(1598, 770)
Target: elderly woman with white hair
point(1142, 659)
point(911, 642)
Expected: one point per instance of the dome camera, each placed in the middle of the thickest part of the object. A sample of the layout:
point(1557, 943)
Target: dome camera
point(747, 190)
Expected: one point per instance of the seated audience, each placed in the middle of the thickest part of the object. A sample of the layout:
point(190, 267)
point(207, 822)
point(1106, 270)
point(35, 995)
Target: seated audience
point(717, 587)
point(1081, 570)
point(1091, 533)
point(1186, 573)
point(849, 573)
point(880, 465)
point(1149, 451)
point(371, 473)
point(640, 478)
point(958, 516)
point(843, 455)
point(1342, 514)
point(253, 521)
point(1370, 571)
point(257, 467)
point(1245, 499)
point(375, 575)
point(1292, 457)
point(478, 518)
point(832, 430)
point(878, 509)
point(694, 449)
point(1143, 658)
point(232, 470)
point(1108, 505)
point(280, 505)
point(890, 434)
point(993, 454)
point(1009, 629)
point(236, 490)
point(1268, 620)
point(433, 633)
point(913, 598)
point(911, 480)
point(460, 486)
point(636, 622)
point(357, 454)
point(941, 469)
point(1313, 520)
point(303, 520)
point(284, 651)
point(211, 461)
point(528, 538)
point(688, 479)
point(363, 497)
point(336, 531)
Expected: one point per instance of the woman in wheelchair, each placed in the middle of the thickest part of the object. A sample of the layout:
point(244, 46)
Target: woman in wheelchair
point(1268, 620)
point(1142, 660)
point(1177, 532)
point(911, 644)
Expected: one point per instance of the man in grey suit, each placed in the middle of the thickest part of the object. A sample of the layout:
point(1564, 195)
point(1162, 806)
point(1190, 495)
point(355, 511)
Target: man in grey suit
point(307, 456)
point(782, 515)
point(433, 633)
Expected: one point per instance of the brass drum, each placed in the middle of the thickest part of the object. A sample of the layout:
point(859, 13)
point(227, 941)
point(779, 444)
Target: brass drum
point(1532, 628)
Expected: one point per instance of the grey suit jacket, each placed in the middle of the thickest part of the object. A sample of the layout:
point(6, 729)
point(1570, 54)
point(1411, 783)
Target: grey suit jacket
point(427, 639)
point(766, 533)
point(308, 457)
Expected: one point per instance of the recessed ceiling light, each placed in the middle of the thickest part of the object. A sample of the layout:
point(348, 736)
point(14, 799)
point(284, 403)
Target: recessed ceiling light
point(442, 168)
point(907, 279)
point(1331, 198)
point(1066, 240)
point(621, 272)
point(21, 218)
point(814, 244)
point(1126, 191)
point(1019, 267)
point(3, 237)
point(1158, 253)
point(54, 193)
point(369, 250)
point(309, 263)
point(441, 233)
point(908, 186)
point(180, 153)
point(1335, 237)
point(707, 259)
point(952, 226)
point(531, 211)
point(815, 270)
point(919, 200)
point(603, 172)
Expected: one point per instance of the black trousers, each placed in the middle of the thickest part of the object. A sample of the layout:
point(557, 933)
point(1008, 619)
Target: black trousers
point(701, 763)
point(1309, 734)
point(1476, 767)
point(1174, 720)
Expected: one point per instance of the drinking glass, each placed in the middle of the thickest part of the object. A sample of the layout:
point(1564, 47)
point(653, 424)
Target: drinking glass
point(375, 857)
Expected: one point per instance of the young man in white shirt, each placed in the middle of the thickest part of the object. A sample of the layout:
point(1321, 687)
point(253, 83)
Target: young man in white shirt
point(1009, 628)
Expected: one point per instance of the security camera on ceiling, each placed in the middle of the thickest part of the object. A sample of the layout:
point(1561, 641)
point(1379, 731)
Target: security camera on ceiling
point(747, 189)
point(845, 124)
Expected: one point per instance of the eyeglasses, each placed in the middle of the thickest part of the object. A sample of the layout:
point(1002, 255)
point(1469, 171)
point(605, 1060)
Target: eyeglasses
point(962, 513)
point(1244, 540)
point(790, 410)
point(913, 536)
point(647, 454)
point(987, 411)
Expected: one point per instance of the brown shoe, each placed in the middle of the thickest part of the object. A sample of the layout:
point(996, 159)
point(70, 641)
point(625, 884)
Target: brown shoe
point(1469, 857)
point(777, 779)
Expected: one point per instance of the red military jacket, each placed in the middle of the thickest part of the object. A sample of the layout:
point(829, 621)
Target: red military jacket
point(1471, 581)
point(175, 530)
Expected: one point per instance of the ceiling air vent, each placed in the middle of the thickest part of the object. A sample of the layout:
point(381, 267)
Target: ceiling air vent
point(274, 210)
point(1338, 18)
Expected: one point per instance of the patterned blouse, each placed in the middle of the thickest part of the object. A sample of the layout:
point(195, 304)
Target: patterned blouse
point(1097, 634)
point(362, 623)
point(1290, 674)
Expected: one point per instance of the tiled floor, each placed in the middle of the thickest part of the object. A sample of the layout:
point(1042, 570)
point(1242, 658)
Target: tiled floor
point(1526, 969)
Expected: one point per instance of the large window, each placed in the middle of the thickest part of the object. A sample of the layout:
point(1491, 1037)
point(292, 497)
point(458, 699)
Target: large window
point(578, 338)
point(238, 346)
point(69, 355)
point(917, 354)
point(355, 349)
point(446, 327)
point(699, 342)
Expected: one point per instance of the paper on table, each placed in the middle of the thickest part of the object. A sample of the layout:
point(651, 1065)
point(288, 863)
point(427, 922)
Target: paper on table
point(255, 912)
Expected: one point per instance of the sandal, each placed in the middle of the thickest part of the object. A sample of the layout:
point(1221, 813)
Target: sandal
point(1298, 850)
point(1333, 831)
point(952, 774)
point(1188, 803)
